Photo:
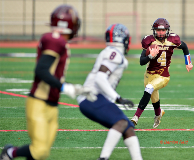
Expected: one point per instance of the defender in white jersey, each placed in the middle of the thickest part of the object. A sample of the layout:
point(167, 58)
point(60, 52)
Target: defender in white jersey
point(100, 105)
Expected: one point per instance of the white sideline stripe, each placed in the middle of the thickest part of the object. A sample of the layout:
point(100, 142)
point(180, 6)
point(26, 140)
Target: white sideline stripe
point(17, 90)
point(168, 107)
point(14, 80)
point(69, 118)
point(129, 98)
point(115, 147)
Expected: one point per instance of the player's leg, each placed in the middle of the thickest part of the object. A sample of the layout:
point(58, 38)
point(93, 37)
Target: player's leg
point(24, 151)
point(113, 138)
point(132, 143)
point(156, 102)
point(158, 83)
point(108, 115)
point(37, 125)
point(53, 125)
point(145, 99)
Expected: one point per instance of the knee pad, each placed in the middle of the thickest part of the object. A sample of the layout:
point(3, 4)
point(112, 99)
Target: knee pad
point(149, 88)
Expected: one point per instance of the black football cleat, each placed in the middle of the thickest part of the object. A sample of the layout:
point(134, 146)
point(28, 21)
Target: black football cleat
point(4, 155)
point(102, 159)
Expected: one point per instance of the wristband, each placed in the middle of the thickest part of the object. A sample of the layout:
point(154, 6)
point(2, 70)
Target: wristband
point(63, 87)
point(187, 59)
point(150, 56)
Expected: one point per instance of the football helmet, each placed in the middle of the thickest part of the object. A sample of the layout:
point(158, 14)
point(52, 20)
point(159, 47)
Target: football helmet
point(161, 23)
point(65, 18)
point(118, 33)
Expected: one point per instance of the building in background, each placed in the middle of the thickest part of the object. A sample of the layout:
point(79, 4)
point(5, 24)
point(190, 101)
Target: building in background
point(26, 19)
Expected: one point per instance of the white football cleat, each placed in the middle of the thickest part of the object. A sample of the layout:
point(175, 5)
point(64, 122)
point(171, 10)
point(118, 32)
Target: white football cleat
point(158, 118)
point(135, 120)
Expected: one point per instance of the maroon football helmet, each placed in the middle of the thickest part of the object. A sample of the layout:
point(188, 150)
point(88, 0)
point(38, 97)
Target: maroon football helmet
point(65, 18)
point(161, 23)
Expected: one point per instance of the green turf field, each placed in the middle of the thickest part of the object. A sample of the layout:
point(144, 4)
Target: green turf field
point(177, 99)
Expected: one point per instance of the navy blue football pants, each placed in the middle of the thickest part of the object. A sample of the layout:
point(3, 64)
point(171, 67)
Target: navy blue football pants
point(104, 112)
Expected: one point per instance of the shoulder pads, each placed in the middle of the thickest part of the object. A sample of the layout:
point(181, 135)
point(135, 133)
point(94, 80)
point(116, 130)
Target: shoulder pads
point(147, 40)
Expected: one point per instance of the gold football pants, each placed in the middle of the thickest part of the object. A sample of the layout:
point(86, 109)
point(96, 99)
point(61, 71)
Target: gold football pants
point(42, 124)
point(157, 82)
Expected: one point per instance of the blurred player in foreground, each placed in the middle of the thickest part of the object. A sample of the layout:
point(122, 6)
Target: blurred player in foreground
point(157, 73)
point(41, 106)
point(103, 79)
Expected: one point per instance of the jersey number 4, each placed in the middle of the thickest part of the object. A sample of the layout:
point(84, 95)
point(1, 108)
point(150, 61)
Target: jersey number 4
point(162, 59)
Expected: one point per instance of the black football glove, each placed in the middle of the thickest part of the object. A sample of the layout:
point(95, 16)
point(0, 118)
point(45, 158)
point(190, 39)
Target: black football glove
point(125, 102)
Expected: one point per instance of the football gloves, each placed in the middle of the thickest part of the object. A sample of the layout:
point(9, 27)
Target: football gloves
point(71, 90)
point(90, 93)
point(125, 102)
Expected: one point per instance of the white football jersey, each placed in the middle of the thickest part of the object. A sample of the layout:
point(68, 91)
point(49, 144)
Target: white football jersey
point(112, 57)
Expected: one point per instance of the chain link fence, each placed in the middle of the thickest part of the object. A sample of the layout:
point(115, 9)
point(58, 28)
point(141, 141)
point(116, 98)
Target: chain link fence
point(26, 19)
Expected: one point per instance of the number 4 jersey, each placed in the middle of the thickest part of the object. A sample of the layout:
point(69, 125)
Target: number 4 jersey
point(161, 63)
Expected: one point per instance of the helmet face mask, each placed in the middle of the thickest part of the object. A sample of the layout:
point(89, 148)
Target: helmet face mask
point(118, 33)
point(65, 19)
point(161, 24)
point(160, 33)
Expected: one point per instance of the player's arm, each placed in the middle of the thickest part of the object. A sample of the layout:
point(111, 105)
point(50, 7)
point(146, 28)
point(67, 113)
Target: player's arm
point(42, 71)
point(187, 56)
point(143, 58)
point(102, 81)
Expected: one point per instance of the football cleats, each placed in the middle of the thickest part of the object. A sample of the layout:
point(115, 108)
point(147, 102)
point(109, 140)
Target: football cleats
point(158, 118)
point(135, 119)
point(161, 23)
point(4, 155)
point(118, 33)
point(66, 20)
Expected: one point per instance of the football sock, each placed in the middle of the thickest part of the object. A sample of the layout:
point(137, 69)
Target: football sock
point(132, 144)
point(157, 111)
point(144, 100)
point(143, 103)
point(139, 112)
point(11, 152)
point(24, 151)
point(157, 108)
point(111, 141)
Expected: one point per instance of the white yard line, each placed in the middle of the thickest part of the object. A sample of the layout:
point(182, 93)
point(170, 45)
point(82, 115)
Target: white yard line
point(118, 147)
point(149, 107)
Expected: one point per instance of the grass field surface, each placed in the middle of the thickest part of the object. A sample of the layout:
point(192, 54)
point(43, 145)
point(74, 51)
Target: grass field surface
point(83, 139)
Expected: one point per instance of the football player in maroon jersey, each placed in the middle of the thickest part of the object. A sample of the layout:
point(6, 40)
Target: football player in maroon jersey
point(157, 73)
point(41, 106)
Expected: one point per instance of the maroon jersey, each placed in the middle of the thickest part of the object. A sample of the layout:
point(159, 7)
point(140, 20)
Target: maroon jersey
point(161, 63)
point(50, 44)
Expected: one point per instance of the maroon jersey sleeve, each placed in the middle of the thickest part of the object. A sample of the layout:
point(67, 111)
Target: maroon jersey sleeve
point(147, 40)
point(174, 38)
point(54, 42)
